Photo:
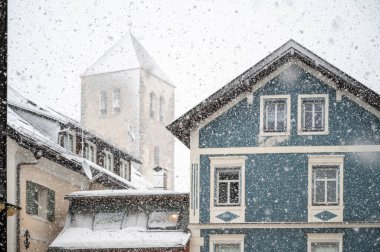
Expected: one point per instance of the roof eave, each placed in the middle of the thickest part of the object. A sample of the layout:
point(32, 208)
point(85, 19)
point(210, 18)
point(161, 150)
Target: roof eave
point(182, 126)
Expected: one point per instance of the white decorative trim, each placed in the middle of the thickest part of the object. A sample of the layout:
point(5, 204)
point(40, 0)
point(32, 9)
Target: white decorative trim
point(324, 237)
point(226, 239)
point(285, 149)
point(194, 161)
point(328, 160)
point(288, 117)
point(225, 162)
point(338, 95)
point(259, 225)
point(325, 114)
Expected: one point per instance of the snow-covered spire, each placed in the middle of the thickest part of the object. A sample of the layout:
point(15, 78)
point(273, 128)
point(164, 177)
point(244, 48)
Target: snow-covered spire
point(126, 54)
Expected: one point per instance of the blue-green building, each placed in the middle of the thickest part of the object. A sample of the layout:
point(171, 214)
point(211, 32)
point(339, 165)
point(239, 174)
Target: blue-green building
point(285, 157)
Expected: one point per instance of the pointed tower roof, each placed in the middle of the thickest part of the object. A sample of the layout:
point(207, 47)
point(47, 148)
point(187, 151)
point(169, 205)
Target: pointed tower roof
point(126, 54)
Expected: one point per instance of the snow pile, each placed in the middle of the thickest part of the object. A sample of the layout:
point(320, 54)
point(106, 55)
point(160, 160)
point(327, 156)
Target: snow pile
point(110, 193)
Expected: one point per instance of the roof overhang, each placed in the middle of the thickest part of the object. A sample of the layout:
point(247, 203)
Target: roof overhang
point(245, 82)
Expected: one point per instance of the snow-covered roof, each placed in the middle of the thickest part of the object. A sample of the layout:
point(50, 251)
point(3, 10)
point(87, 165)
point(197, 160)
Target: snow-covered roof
point(18, 101)
point(126, 54)
point(182, 126)
point(32, 134)
point(120, 193)
point(85, 238)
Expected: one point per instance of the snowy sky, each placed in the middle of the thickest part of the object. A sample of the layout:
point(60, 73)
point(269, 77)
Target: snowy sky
point(200, 45)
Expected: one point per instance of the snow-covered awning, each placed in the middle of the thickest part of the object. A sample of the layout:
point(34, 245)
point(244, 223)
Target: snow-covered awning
point(85, 238)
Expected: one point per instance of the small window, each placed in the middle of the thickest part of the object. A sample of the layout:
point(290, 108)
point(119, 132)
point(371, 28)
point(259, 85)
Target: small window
point(90, 152)
point(160, 180)
point(162, 109)
point(125, 169)
point(103, 103)
point(228, 186)
point(325, 242)
point(116, 101)
point(163, 220)
point(325, 188)
point(275, 115)
point(153, 101)
point(108, 221)
point(40, 201)
point(135, 220)
point(221, 247)
point(325, 185)
point(67, 140)
point(108, 161)
point(325, 247)
point(313, 114)
point(156, 156)
point(83, 220)
point(226, 242)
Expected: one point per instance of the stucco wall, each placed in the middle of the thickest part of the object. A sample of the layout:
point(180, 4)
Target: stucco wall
point(153, 131)
point(113, 126)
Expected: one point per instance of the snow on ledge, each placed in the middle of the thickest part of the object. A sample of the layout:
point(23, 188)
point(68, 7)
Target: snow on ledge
point(108, 193)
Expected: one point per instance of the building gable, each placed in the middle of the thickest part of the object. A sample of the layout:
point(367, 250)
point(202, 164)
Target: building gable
point(247, 82)
point(239, 124)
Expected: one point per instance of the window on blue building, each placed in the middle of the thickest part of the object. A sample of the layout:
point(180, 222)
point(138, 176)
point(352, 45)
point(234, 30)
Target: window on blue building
point(228, 186)
point(325, 247)
point(275, 115)
point(226, 247)
point(325, 185)
point(313, 114)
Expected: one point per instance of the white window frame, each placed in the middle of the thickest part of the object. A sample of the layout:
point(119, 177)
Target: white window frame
point(265, 98)
point(88, 152)
point(105, 104)
point(300, 113)
point(125, 173)
point(215, 209)
point(324, 238)
point(337, 209)
point(325, 181)
point(116, 109)
point(106, 153)
point(215, 239)
point(220, 169)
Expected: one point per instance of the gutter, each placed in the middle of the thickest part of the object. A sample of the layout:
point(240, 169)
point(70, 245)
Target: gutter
point(37, 155)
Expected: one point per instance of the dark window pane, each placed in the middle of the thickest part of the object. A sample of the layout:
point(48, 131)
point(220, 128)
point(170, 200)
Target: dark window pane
point(229, 175)
point(318, 120)
point(320, 191)
point(325, 173)
point(331, 191)
point(308, 123)
point(223, 187)
point(234, 192)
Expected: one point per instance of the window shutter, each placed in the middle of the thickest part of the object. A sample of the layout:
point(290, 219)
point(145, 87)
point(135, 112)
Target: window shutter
point(51, 205)
point(31, 198)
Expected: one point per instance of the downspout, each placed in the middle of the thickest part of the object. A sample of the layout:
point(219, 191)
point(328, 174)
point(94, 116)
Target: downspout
point(37, 155)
